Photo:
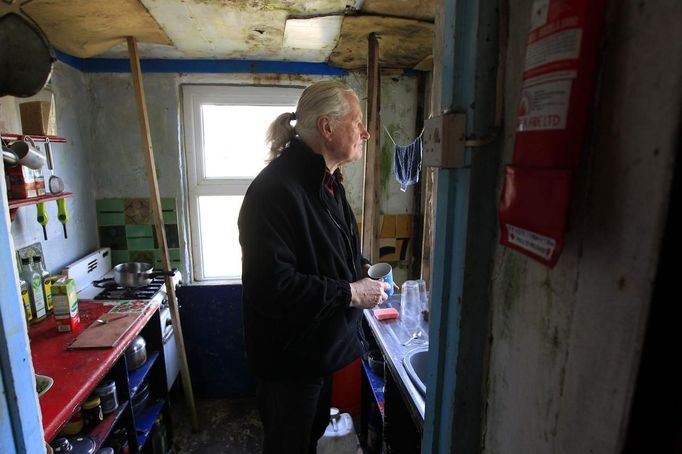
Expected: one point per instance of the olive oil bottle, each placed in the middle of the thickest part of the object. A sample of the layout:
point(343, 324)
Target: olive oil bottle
point(39, 267)
point(35, 289)
point(25, 299)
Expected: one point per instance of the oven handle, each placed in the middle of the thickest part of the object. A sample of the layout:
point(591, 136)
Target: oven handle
point(167, 335)
point(167, 330)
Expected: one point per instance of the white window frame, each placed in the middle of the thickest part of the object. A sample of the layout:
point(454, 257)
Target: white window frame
point(194, 96)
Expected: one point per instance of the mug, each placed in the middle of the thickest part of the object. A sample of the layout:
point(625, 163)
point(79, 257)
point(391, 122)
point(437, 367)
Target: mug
point(382, 272)
point(28, 155)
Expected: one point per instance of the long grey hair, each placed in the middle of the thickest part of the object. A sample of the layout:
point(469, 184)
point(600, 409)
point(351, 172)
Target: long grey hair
point(326, 97)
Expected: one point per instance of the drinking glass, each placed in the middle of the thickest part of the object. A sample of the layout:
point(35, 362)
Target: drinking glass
point(410, 306)
point(423, 296)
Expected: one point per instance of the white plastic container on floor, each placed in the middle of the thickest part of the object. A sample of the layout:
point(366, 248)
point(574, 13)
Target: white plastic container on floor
point(339, 436)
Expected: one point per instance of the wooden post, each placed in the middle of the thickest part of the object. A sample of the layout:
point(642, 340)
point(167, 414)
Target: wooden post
point(158, 223)
point(370, 204)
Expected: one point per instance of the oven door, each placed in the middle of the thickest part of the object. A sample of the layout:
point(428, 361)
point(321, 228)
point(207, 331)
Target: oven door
point(170, 348)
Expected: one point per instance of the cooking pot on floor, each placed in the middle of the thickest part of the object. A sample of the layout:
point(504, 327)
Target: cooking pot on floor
point(136, 274)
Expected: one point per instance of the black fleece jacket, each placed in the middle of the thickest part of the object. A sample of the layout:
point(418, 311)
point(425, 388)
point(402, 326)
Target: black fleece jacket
point(298, 259)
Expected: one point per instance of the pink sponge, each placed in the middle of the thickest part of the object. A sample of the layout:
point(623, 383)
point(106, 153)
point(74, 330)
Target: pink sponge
point(385, 314)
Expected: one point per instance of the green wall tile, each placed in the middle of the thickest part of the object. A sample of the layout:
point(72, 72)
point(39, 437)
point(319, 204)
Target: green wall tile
point(119, 257)
point(170, 217)
point(109, 204)
point(173, 264)
point(113, 237)
point(139, 231)
point(168, 203)
point(127, 227)
point(140, 243)
point(142, 256)
point(140, 237)
point(172, 252)
point(137, 211)
point(110, 212)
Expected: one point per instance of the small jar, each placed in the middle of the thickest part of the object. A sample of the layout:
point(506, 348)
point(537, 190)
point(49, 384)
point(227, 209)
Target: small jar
point(74, 425)
point(106, 391)
point(61, 445)
point(92, 411)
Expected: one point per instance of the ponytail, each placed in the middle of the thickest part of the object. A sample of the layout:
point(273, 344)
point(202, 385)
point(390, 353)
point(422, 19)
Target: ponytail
point(279, 134)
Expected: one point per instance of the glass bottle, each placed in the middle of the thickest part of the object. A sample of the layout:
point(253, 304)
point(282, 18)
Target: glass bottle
point(25, 299)
point(39, 266)
point(35, 289)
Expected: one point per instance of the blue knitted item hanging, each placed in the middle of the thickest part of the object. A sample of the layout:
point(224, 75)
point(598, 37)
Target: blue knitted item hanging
point(407, 161)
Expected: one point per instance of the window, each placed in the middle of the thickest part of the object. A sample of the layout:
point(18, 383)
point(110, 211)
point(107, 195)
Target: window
point(225, 143)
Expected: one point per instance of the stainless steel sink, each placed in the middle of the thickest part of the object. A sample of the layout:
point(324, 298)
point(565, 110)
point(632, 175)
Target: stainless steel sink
point(416, 365)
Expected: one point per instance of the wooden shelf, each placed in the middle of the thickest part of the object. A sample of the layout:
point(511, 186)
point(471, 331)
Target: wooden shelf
point(18, 203)
point(35, 137)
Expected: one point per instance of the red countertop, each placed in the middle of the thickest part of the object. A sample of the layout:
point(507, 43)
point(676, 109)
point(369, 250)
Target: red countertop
point(75, 372)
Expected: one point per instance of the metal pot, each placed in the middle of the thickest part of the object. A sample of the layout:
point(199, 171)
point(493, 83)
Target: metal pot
point(136, 274)
point(136, 353)
point(141, 398)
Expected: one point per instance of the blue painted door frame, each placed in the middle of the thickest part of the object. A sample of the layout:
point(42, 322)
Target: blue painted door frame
point(21, 430)
point(465, 231)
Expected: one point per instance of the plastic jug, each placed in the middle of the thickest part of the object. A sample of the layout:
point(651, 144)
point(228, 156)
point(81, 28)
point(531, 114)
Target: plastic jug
point(339, 436)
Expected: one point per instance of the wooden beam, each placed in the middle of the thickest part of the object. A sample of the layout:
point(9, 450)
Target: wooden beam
point(370, 206)
point(430, 173)
point(427, 233)
point(155, 197)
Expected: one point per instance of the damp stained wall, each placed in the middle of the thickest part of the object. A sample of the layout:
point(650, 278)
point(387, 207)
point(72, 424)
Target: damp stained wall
point(73, 162)
point(566, 341)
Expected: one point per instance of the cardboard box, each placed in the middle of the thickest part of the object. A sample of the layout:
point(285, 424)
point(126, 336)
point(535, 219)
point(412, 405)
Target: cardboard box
point(65, 303)
point(37, 117)
point(21, 183)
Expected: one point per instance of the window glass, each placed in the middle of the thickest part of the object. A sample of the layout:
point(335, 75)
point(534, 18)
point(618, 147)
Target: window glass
point(234, 139)
point(222, 255)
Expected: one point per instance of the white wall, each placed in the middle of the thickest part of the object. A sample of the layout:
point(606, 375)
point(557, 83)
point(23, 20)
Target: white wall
point(566, 341)
point(73, 162)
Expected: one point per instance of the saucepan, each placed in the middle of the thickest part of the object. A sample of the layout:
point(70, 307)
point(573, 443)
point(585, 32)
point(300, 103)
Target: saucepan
point(136, 274)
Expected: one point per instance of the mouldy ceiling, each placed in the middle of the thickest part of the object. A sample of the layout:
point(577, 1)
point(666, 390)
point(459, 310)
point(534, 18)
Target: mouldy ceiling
point(238, 29)
point(403, 43)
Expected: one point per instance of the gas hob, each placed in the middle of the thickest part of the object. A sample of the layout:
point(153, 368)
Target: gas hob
point(95, 281)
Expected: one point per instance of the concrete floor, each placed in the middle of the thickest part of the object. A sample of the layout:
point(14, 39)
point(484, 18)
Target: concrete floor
point(227, 426)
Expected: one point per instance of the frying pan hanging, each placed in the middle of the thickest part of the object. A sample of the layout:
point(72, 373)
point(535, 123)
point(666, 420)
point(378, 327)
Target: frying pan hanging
point(25, 57)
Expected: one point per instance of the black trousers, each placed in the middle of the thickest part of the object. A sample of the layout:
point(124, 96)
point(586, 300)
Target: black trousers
point(294, 413)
